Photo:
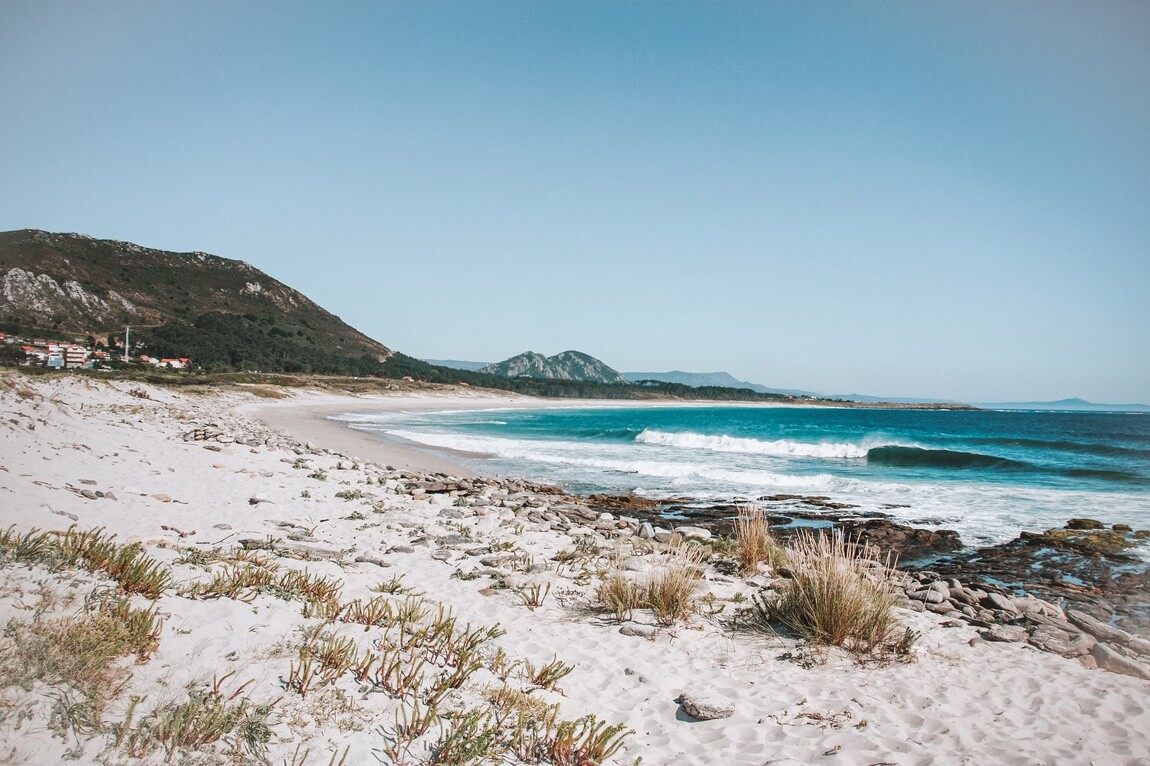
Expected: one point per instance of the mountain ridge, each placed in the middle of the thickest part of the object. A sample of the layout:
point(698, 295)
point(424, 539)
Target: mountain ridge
point(566, 365)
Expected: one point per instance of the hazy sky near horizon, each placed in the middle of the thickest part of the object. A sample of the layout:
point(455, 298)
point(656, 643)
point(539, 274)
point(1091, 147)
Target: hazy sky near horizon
point(896, 198)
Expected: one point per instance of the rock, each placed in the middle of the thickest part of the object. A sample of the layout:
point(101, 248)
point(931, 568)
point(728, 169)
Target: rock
point(1110, 635)
point(442, 554)
point(1011, 634)
point(1051, 639)
point(662, 535)
point(401, 549)
point(705, 705)
point(639, 631)
point(88, 494)
point(646, 530)
point(927, 596)
point(1085, 524)
point(999, 602)
point(312, 551)
point(162, 497)
point(372, 560)
point(214, 447)
point(1109, 659)
point(697, 533)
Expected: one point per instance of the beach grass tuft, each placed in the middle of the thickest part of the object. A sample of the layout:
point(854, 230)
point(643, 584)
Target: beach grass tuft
point(840, 594)
point(754, 544)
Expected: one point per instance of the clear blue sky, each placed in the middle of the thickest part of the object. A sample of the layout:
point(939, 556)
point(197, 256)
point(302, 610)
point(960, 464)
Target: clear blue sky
point(896, 198)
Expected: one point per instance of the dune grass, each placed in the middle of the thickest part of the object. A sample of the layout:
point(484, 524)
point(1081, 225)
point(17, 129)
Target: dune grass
point(839, 594)
point(754, 544)
point(668, 590)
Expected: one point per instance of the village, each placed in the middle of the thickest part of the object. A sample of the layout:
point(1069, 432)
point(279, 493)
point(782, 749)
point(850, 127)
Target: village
point(71, 355)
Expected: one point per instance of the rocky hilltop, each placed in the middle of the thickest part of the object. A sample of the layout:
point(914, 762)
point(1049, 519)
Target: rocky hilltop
point(568, 365)
point(72, 284)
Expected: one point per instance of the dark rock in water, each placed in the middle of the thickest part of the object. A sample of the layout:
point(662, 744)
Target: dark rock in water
point(1092, 541)
point(1085, 524)
point(1085, 569)
point(907, 543)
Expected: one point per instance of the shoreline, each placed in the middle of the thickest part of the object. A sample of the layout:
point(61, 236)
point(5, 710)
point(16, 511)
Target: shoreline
point(309, 415)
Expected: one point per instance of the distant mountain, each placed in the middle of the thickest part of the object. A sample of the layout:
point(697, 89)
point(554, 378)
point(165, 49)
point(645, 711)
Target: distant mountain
point(567, 365)
point(458, 364)
point(696, 379)
point(224, 314)
point(719, 379)
point(1067, 405)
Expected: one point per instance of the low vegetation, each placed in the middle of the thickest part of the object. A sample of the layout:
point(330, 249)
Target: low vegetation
point(839, 594)
point(754, 544)
point(668, 590)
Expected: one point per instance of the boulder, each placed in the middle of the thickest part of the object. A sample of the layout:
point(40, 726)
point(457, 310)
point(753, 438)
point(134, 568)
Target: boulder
point(1106, 633)
point(1109, 659)
point(696, 533)
point(999, 602)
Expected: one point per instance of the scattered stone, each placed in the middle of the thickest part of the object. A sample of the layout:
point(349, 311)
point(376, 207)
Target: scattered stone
point(162, 497)
point(639, 631)
point(696, 533)
point(312, 551)
point(1011, 634)
point(705, 705)
point(372, 560)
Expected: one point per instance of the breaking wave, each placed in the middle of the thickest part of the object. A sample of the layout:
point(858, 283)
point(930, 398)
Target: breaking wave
point(779, 447)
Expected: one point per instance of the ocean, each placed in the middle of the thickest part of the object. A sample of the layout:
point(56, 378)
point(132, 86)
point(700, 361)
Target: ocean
point(986, 474)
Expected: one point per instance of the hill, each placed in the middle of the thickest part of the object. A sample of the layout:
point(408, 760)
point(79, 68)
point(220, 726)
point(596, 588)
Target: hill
point(697, 379)
point(567, 365)
point(225, 314)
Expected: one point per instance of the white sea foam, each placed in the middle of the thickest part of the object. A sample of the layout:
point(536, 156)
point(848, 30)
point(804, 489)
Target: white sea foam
point(666, 464)
point(780, 447)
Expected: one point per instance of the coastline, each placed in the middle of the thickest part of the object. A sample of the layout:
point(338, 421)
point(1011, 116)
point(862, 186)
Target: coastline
point(207, 489)
point(308, 415)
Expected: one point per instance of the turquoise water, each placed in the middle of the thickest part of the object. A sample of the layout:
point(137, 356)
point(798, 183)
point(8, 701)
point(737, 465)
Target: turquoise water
point(988, 474)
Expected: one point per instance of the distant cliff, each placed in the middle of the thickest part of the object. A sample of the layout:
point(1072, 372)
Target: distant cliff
point(568, 365)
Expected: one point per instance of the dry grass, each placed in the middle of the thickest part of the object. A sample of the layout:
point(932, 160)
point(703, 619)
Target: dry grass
point(839, 595)
point(754, 544)
point(618, 594)
point(668, 591)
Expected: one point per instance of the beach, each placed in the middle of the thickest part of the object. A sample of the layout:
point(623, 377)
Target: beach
point(216, 483)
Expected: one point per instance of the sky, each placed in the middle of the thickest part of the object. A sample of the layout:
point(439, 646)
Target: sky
point(947, 200)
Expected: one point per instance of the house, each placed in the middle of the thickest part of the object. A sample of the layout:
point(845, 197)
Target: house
point(75, 356)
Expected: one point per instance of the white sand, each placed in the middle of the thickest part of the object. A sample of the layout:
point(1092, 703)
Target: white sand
point(956, 703)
